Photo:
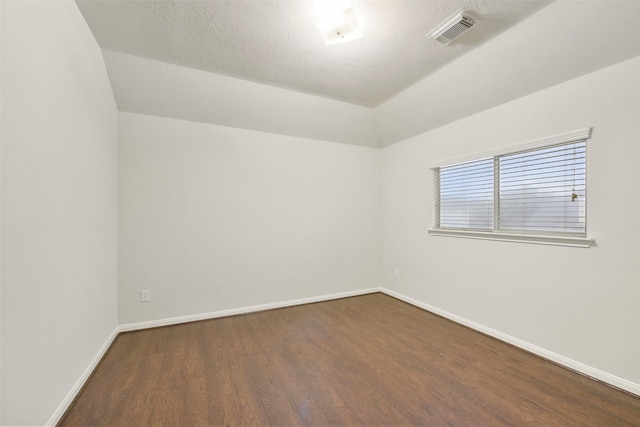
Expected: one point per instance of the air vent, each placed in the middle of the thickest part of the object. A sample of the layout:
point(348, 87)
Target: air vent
point(456, 25)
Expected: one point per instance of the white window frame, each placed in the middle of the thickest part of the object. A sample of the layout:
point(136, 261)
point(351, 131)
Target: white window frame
point(546, 238)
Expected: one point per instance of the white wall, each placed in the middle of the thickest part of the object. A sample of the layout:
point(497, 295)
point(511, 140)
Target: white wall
point(0, 216)
point(157, 88)
point(579, 303)
point(59, 213)
point(215, 218)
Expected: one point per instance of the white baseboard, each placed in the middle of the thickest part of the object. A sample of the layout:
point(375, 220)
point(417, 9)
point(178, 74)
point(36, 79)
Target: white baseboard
point(242, 310)
point(587, 370)
point(68, 400)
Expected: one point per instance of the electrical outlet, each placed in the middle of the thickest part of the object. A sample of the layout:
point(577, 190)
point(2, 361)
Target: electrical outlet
point(396, 274)
point(145, 295)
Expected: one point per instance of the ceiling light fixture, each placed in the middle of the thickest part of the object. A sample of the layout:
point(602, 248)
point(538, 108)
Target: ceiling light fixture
point(337, 21)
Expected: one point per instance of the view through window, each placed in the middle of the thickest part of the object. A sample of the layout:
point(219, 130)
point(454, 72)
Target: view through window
point(540, 190)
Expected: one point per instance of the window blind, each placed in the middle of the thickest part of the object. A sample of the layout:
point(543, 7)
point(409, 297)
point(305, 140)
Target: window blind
point(537, 190)
point(544, 190)
point(466, 195)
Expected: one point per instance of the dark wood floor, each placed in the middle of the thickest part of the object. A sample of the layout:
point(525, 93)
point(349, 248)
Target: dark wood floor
point(360, 361)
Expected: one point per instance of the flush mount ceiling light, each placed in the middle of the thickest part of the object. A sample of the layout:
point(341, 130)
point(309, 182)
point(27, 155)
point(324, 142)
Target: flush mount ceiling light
point(337, 21)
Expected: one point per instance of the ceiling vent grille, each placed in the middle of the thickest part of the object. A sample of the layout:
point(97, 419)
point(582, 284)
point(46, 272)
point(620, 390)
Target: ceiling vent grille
point(456, 25)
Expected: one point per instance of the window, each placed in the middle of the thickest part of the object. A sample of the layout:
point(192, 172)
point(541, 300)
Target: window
point(536, 193)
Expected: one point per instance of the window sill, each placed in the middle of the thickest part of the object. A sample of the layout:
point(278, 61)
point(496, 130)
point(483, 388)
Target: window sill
point(577, 242)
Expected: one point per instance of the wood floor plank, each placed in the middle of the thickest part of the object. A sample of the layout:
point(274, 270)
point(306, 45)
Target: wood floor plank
point(367, 360)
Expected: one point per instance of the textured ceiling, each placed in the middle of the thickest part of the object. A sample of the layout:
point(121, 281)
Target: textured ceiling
point(275, 42)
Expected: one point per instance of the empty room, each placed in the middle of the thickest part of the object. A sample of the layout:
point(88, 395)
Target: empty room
point(292, 212)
